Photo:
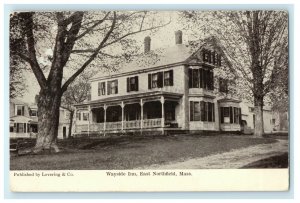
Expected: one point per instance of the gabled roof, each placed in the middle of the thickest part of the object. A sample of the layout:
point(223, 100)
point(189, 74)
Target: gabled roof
point(179, 53)
point(16, 101)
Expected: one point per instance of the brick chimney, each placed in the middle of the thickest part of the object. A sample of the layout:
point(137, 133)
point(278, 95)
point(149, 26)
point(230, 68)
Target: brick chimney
point(178, 37)
point(147, 44)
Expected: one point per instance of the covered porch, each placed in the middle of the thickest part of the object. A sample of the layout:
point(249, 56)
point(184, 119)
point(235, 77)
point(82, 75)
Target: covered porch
point(130, 114)
point(230, 114)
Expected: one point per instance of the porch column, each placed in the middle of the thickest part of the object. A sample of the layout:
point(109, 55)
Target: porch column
point(89, 110)
point(142, 113)
point(122, 105)
point(162, 100)
point(104, 107)
point(74, 116)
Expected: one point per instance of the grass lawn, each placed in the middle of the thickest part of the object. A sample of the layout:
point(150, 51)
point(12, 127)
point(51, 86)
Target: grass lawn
point(130, 152)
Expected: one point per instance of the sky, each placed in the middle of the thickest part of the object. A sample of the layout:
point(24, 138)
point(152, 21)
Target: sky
point(164, 37)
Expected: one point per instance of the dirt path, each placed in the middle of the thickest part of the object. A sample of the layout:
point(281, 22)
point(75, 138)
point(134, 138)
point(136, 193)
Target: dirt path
point(233, 159)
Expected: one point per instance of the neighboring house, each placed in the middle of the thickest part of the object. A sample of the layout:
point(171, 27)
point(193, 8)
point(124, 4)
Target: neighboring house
point(170, 89)
point(64, 123)
point(273, 121)
point(24, 120)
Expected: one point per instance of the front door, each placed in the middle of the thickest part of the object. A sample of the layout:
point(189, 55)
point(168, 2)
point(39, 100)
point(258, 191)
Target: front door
point(64, 132)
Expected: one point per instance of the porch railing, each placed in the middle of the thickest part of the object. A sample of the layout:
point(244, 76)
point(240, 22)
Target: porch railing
point(82, 128)
point(136, 124)
point(156, 122)
point(113, 125)
point(96, 127)
point(132, 124)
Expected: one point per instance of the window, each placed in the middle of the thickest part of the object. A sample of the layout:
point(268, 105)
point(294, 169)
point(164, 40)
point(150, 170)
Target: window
point(230, 115)
point(219, 59)
point(21, 127)
point(33, 112)
point(157, 80)
point(85, 116)
point(210, 112)
point(223, 85)
point(251, 109)
point(78, 116)
point(112, 87)
point(202, 111)
point(206, 55)
point(212, 57)
point(101, 88)
point(20, 110)
point(67, 115)
point(168, 78)
point(236, 115)
point(203, 78)
point(132, 84)
point(154, 80)
point(194, 111)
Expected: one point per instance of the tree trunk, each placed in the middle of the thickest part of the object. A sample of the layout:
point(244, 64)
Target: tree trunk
point(71, 123)
point(259, 121)
point(48, 120)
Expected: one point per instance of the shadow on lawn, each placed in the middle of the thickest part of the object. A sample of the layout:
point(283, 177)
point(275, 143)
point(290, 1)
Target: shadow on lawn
point(279, 161)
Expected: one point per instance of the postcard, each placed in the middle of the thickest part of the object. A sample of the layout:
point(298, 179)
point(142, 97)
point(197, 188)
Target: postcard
point(126, 101)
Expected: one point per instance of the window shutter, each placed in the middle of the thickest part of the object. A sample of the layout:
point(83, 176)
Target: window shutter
point(160, 78)
point(190, 78)
point(108, 88)
point(213, 112)
point(116, 86)
point(18, 127)
point(222, 114)
point(205, 79)
point(212, 80)
point(128, 84)
point(104, 88)
point(209, 56)
point(22, 111)
point(201, 78)
point(203, 54)
point(202, 110)
point(191, 111)
point(99, 88)
point(171, 77)
point(240, 116)
point(149, 81)
point(136, 83)
point(231, 114)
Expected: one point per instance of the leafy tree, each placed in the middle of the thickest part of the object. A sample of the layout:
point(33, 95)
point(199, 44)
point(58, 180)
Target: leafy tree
point(255, 42)
point(77, 92)
point(59, 46)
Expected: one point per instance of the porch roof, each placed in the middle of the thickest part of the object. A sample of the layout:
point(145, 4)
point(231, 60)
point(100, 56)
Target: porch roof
point(133, 97)
point(20, 119)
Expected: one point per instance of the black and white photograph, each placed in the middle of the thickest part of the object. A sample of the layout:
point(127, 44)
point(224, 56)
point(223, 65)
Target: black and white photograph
point(157, 93)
